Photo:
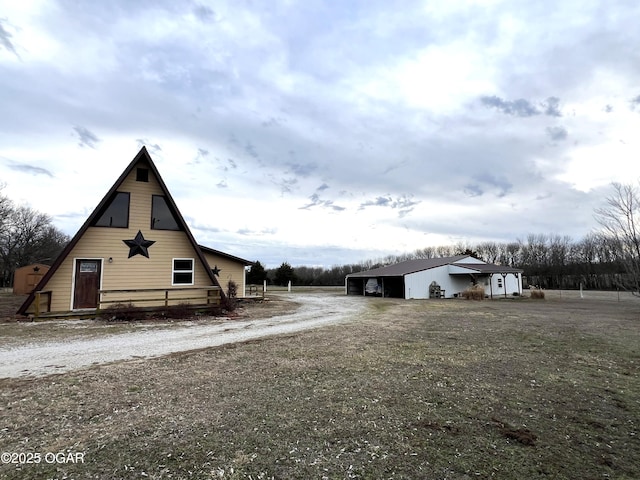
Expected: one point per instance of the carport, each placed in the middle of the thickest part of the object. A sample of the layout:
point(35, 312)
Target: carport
point(445, 277)
point(387, 286)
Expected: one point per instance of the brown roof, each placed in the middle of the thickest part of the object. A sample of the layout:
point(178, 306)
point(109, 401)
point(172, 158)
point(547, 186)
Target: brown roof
point(225, 255)
point(409, 266)
point(418, 265)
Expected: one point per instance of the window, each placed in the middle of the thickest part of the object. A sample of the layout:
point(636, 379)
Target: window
point(116, 213)
point(162, 217)
point(182, 271)
point(142, 175)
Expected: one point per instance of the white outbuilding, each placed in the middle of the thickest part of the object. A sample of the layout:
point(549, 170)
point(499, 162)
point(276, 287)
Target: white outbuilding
point(445, 277)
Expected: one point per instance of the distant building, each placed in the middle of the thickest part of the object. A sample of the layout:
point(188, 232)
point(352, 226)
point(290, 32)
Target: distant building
point(26, 278)
point(435, 278)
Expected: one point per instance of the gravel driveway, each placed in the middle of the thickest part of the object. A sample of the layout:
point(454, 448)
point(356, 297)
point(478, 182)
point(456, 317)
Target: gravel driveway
point(43, 358)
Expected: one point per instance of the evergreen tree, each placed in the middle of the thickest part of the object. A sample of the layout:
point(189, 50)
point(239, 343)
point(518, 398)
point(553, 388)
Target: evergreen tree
point(284, 274)
point(256, 274)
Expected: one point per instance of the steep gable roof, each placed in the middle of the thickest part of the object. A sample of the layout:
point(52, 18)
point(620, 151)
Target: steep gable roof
point(142, 156)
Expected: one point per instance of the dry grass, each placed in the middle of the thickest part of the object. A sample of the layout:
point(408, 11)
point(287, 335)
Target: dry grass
point(537, 293)
point(9, 304)
point(476, 292)
point(458, 390)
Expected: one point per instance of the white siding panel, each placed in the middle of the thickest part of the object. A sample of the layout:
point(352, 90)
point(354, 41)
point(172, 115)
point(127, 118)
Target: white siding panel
point(417, 284)
point(510, 285)
point(472, 260)
point(455, 269)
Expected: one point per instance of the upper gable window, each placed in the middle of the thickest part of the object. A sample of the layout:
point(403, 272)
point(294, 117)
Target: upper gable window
point(142, 175)
point(116, 213)
point(162, 217)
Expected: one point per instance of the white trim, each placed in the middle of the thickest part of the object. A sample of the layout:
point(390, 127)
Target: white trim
point(460, 270)
point(192, 271)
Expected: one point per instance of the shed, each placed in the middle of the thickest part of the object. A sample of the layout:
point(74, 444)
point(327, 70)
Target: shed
point(26, 278)
point(444, 277)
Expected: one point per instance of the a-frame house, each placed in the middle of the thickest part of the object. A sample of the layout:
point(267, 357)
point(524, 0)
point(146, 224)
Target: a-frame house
point(134, 248)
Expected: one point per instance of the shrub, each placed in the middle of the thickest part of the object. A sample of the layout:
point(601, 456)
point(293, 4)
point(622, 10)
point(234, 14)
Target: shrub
point(226, 306)
point(121, 312)
point(229, 304)
point(537, 293)
point(179, 311)
point(476, 292)
point(232, 289)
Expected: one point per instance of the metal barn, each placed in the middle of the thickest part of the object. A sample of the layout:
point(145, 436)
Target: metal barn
point(445, 277)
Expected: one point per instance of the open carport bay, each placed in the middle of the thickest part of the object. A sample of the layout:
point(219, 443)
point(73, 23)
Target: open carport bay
point(391, 287)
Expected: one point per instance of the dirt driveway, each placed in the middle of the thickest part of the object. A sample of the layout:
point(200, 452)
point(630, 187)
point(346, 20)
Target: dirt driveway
point(37, 355)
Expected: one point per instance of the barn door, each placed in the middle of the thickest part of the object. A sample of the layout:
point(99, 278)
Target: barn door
point(87, 283)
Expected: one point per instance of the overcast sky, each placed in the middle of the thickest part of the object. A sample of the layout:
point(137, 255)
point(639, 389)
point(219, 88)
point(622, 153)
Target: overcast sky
point(325, 133)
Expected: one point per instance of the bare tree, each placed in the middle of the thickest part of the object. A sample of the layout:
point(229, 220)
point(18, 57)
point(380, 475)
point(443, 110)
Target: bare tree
point(559, 248)
point(6, 206)
point(445, 251)
point(426, 252)
point(620, 221)
point(26, 236)
point(488, 251)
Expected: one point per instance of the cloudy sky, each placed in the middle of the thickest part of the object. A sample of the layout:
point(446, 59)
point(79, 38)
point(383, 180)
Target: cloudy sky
point(326, 132)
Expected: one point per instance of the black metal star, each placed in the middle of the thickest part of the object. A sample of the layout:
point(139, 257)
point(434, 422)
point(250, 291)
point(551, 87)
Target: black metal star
point(215, 270)
point(138, 245)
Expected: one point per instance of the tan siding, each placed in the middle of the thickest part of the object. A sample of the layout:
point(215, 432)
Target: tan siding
point(123, 272)
point(60, 286)
point(229, 270)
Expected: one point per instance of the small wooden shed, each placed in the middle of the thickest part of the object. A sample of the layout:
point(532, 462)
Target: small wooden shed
point(26, 278)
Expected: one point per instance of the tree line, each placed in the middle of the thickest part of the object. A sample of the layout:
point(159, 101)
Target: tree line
point(548, 261)
point(26, 237)
point(607, 258)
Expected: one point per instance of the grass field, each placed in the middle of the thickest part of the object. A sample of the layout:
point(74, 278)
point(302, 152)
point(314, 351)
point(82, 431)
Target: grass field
point(506, 389)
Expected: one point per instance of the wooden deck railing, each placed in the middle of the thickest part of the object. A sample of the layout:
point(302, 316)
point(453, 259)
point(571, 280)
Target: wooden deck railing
point(38, 303)
point(157, 297)
point(255, 290)
point(207, 296)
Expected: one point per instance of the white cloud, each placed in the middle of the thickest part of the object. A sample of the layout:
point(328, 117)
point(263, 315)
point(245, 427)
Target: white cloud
point(380, 106)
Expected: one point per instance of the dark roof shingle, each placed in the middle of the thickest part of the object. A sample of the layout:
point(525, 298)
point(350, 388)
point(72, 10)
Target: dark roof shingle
point(418, 265)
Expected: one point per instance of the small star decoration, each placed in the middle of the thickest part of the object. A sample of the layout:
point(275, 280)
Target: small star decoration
point(216, 271)
point(138, 245)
